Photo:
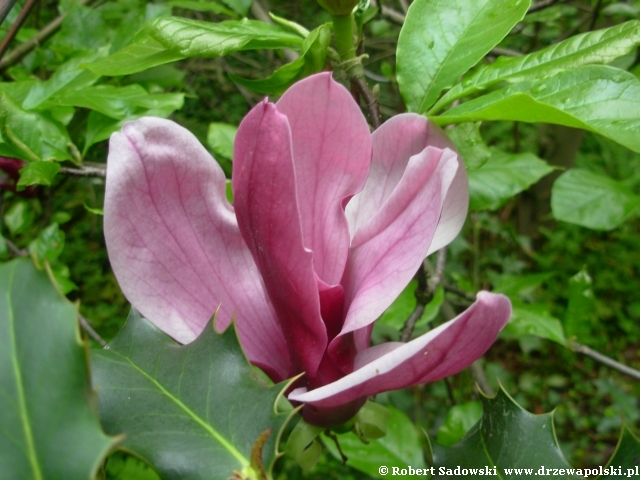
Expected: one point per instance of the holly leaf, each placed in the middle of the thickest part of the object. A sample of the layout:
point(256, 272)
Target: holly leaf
point(626, 457)
point(508, 438)
point(190, 411)
point(48, 428)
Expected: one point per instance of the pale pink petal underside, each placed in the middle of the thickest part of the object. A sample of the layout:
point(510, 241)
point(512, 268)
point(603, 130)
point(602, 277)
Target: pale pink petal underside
point(439, 353)
point(265, 199)
point(388, 249)
point(332, 152)
point(174, 243)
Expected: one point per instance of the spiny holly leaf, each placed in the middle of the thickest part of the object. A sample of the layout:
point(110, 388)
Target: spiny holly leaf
point(48, 428)
point(192, 412)
point(626, 457)
point(507, 437)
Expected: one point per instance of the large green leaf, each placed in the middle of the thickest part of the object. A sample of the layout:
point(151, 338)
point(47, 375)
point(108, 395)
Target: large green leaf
point(597, 98)
point(193, 38)
point(220, 138)
point(311, 60)
point(503, 176)
point(507, 437)
point(459, 420)
point(143, 53)
point(398, 448)
point(68, 77)
point(193, 411)
point(442, 39)
point(30, 135)
point(468, 140)
point(601, 46)
point(119, 102)
point(48, 428)
point(591, 200)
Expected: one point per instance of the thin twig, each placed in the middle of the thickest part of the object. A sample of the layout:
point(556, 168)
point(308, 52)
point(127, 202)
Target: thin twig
point(596, 12)
point(541, 5)
point(18, 252)
point(458, 291)
point(22, 16)
point(84, 323)
point(428, 281)
point(5, 8)
point(260, 12)
point(85, 171)
point(371, 102)
point(18, 53)
point(599, 357)
point(333, 437)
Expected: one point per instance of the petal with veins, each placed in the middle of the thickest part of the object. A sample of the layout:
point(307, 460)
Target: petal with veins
point(439, 353)
point(174, 242)
point(388, 249)
point(265, 199)
point(332, 152)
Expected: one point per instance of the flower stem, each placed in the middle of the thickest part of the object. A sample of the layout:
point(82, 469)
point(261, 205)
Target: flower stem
point(343, 33)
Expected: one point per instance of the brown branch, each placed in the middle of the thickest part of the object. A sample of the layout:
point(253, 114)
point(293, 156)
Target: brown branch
point(5, 8)
point(13, 31)
point(84, 323)
point(371, 102)
point(599, 357)
point(18, 53)
point(594, 17)
point(18, 252)
point(428, 281)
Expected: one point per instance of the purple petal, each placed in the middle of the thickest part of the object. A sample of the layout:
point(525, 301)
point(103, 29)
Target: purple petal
point(398, 139)
point(388, 248)
point(439, 353)
point(174, 243)
point(265, 198)
point(332, 152)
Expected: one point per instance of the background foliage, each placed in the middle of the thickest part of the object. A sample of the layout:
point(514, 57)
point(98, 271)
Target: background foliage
point(554, 222)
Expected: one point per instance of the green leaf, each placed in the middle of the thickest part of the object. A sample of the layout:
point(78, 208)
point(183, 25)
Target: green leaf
point(48, 426)
point(578, 318)
point(120, 102)
point(503, 176)
point(202, 6)
point(121, 467)
point(533, 319)
point(30, 135)
point(193, 411)
point(597, 98)
point(520, 285)
point(143, 53)
point(591, 200)
point(506, 437)
point(311, 60)
point(460, 418)
point(48, 246)
point(220, 138)
point(192, 38)
point(599, 47)
point(398, 448)
point(626, 457)
point(38, 173)
point(18, 218)
point(403, 306)
point(467, 139)
point(95, 211)
point(68, 77)
point(442, 39)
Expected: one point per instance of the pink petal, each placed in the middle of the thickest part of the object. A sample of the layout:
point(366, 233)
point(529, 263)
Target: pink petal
point(439, 353)
point(174, 243)
point(265, 198)
point(394, 143)
point(332, 152)
point(388, 248)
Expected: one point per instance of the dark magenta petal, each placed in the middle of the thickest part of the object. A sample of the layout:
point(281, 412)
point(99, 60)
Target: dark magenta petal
point(265, 199)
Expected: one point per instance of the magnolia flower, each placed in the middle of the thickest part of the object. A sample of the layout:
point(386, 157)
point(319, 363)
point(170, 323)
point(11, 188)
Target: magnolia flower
point(329, 225)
